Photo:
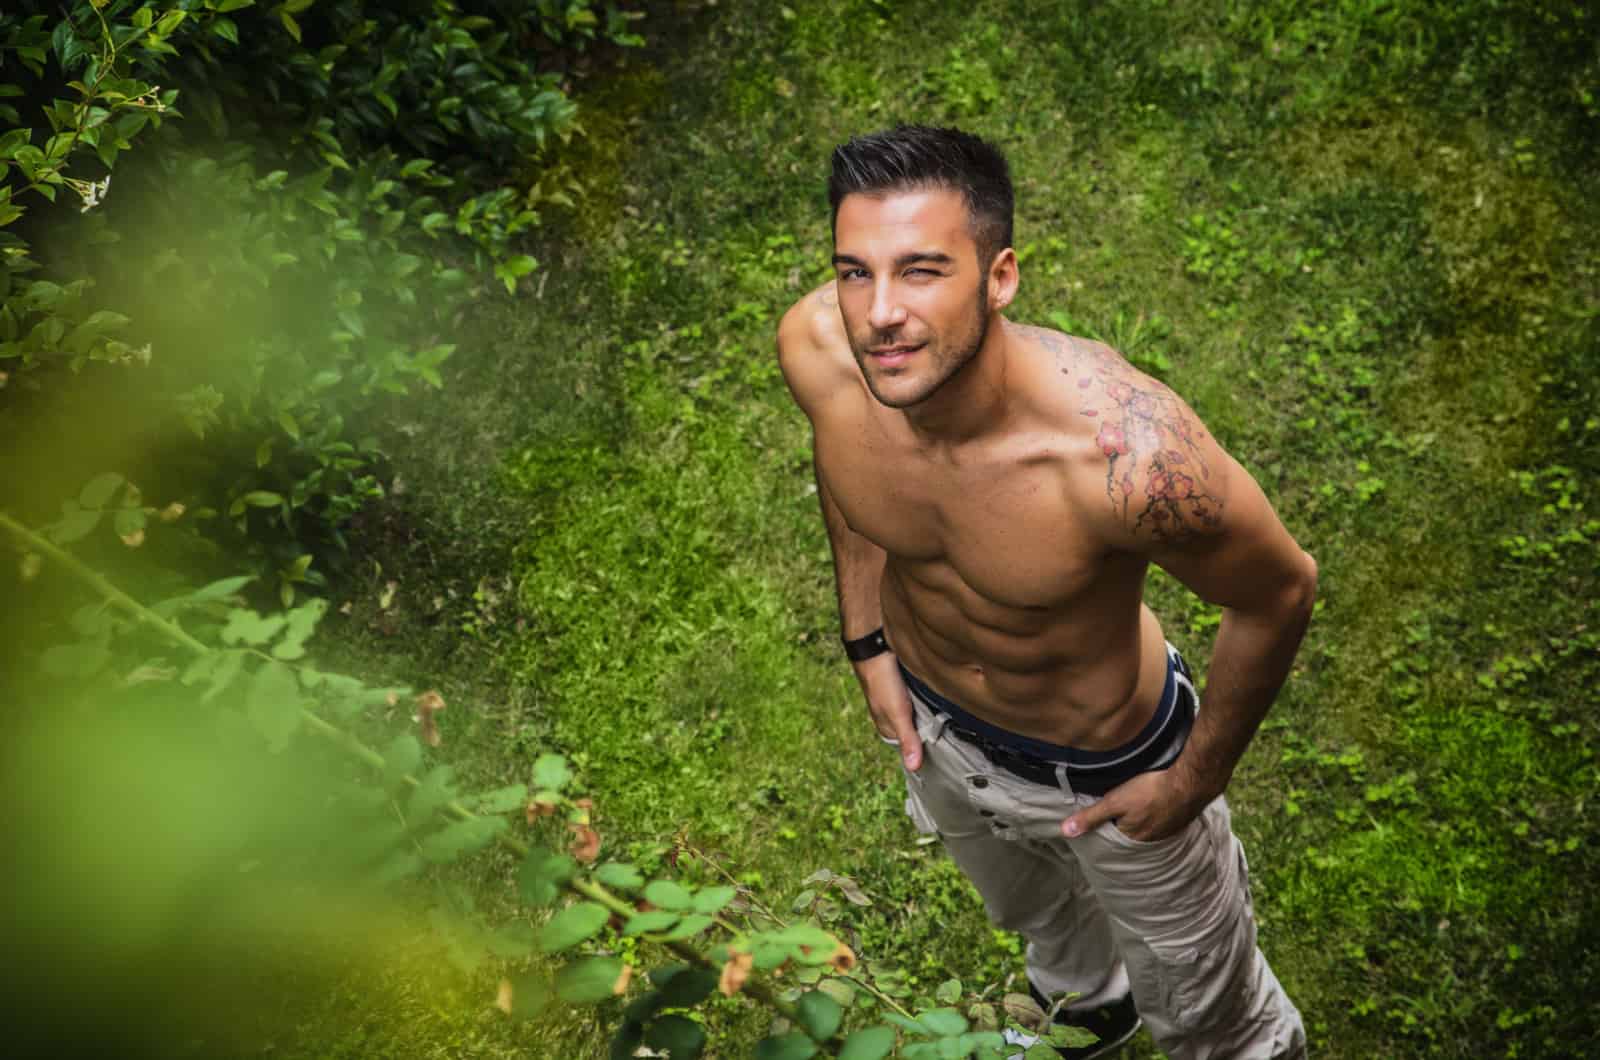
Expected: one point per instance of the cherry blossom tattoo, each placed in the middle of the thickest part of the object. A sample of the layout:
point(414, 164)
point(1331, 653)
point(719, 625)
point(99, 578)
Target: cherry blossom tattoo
point(1148, 430)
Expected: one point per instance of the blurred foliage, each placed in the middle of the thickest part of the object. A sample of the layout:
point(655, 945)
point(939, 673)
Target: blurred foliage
point(268, 268)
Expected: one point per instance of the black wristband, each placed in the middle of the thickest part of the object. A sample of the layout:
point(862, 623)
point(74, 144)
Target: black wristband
point(863, 648)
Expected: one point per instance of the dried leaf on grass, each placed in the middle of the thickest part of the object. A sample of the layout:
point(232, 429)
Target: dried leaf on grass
point(735, 973)
point(429, 703)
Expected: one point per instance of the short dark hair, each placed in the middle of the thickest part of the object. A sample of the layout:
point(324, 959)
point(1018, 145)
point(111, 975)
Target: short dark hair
point(923, 156)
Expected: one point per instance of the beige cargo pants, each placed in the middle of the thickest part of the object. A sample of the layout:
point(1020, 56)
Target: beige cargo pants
point(1104, 913)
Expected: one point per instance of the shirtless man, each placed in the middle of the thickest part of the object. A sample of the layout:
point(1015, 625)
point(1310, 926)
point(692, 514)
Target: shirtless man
point(994, 493)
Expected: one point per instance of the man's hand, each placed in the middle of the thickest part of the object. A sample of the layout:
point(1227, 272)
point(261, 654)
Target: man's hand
point(1148, 808)
point(890, 705)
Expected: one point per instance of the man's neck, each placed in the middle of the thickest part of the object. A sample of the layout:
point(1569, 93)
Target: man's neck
point(972, 402)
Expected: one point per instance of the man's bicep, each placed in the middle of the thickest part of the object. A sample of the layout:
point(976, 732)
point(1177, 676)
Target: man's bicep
point(1247, 559)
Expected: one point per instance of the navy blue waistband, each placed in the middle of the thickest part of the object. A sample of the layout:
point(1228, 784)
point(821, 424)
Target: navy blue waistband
point(1167, 722)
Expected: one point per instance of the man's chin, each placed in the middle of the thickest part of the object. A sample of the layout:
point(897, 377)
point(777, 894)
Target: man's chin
point(897, 393)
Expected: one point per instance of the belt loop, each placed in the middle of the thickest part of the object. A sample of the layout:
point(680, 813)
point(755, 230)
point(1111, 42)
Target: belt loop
point(936, 720)
point(1061, 780)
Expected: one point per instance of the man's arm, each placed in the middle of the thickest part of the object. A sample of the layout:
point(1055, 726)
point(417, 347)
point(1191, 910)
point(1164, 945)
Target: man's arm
point(858, 576)
point(816, 375)
point(1175, 496)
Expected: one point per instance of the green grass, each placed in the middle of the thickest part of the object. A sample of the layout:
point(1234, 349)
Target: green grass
point(1356, 240)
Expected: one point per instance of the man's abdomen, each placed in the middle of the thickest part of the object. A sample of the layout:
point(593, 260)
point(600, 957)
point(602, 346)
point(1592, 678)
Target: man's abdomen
point(1086, 673)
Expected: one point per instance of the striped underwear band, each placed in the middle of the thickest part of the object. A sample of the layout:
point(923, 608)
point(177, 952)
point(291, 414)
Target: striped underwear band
point(1087, 772)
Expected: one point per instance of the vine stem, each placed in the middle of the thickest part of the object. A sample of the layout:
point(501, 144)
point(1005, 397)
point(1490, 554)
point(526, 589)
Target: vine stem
point(173, 632)
point(101, 584)
point(860, 984)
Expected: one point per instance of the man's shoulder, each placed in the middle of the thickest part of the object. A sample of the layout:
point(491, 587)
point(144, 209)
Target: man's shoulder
point(1140, 457)
point(813, 349)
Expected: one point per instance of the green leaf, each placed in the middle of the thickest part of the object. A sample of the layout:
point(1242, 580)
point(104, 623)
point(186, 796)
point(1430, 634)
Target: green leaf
point(678, 1035)
point(83, 659)
point(550, 771)
point(589, 980)
point(665, 894)
point(542, 875)
point(513, 941)
point(653, 921)
point(501, 800)
point(767, 955)
point(689, 927)
point(949, 992)
point(273, 704)
point(820, 1014)
point(794, 1046)
point(401, 759)
point(430, 795)
point(622, 877)
point(712, 899)
point(262, 499)
point(1064, 1034)
point(246, 627)
point(574, 924)
point(839, 990)
point(869, 1043)
point(97, 493)
point(1041, 1051)
point(300, 622)
point(944, 1022)
point(226, 670)
point(531, 993)
point(683, 986)
point(626, 1041)
point(217, 590)
point(398, 866)
point(456, 840)
point(74, 525)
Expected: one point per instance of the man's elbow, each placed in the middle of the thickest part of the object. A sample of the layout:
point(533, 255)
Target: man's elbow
point(1300, 592)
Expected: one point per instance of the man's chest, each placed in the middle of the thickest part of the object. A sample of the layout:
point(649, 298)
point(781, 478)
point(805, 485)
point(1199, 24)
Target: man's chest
point(1005, 529)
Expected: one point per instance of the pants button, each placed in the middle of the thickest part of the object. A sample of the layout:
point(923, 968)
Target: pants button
point(980, 782)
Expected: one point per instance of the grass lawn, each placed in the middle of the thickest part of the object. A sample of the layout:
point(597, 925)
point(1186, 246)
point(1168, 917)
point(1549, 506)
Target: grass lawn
point(1357, 241)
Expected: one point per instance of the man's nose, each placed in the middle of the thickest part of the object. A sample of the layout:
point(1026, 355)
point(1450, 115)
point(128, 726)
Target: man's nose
point(886, 311)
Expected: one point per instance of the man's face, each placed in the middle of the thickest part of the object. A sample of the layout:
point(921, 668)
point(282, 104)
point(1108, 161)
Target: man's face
point(912, 294)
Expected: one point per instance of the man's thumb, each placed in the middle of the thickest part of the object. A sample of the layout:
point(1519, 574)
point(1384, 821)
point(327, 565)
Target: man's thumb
point(1088, 819)
point(905, 729)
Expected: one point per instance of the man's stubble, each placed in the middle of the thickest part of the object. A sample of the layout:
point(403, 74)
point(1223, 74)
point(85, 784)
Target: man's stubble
point(949, 357)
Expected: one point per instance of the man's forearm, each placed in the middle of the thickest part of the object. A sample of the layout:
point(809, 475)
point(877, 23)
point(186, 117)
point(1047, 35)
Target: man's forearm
point(857, 571)
point(1252, 657)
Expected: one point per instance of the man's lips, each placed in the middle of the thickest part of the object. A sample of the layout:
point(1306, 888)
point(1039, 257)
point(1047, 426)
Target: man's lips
point(889, 356)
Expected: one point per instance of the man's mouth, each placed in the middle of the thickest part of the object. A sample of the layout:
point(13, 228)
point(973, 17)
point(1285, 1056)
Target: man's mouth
point(890, 356)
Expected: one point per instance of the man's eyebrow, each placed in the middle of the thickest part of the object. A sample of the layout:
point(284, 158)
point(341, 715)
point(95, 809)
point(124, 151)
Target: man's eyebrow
point(933, 257)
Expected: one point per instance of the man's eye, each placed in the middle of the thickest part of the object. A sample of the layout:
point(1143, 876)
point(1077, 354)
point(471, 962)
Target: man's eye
point(852, 274)
point(921, 272)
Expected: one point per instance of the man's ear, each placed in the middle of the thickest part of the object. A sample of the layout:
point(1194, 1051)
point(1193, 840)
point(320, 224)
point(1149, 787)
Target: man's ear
point(1003, 279)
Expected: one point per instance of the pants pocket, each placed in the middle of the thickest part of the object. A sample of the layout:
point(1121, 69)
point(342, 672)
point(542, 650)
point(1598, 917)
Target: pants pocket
point(921, 819)
point(1208, 979)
